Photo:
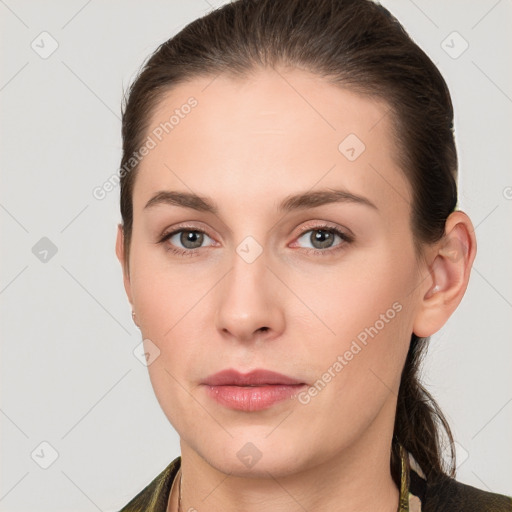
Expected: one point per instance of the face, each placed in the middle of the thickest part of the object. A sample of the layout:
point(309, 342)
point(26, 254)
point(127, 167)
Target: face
point(321, 288)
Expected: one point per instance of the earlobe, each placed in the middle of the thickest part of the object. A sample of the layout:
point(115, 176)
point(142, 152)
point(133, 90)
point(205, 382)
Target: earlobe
point(122, 260)
point(449, 272)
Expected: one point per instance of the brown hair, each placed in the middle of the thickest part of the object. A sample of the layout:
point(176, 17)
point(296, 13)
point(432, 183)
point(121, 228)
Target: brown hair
point(358, 45)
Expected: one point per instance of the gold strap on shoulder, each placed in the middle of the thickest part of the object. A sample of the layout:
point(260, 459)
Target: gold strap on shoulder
point(403, 503)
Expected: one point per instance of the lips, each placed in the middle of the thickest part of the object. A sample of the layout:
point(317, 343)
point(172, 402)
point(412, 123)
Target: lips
point(253, 391)
point(258, 377)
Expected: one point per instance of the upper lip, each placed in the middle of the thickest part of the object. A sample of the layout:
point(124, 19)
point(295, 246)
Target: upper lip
point(258, 377)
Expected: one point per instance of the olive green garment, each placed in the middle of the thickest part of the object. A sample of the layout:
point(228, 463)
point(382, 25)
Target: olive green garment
point(416, 493)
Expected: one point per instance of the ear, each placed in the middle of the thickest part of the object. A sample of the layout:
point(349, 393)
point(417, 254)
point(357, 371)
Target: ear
point(450, 266)
point(124, 264)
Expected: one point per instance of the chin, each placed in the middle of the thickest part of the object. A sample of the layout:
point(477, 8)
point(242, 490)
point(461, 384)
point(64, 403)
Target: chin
point(254, 456)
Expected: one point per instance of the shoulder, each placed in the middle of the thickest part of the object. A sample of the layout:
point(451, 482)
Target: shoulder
point(446, 494)
point(154, 497)
point(449, 495)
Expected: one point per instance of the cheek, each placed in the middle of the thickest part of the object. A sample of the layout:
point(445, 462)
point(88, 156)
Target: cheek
point(175, 311)
point(366, 323)
point(345, 301)
point(170, 313)
point(358, 369)
point(163, 293)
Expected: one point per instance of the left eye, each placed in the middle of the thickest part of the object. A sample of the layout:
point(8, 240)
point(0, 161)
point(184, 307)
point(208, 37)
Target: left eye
point(323, 238)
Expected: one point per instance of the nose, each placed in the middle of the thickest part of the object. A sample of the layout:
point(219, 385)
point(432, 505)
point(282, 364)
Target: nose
point(251, 302)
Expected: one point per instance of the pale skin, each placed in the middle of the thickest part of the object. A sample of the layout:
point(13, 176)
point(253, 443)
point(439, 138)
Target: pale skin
point(247, 145)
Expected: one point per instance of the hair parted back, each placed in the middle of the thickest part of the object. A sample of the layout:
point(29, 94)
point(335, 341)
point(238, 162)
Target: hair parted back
point(357, 45)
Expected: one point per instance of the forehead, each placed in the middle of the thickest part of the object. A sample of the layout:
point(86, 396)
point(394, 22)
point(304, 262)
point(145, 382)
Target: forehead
point(257, 138)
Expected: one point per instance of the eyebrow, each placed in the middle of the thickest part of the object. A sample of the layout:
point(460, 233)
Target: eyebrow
point(290, 203)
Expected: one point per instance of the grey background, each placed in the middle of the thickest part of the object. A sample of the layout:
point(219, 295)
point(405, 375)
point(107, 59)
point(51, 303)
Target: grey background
point(69, 375)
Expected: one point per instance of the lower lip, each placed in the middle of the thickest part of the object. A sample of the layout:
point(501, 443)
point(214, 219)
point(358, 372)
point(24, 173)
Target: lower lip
point(247, 398)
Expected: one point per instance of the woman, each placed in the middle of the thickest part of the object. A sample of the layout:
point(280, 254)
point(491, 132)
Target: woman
point(290, 241)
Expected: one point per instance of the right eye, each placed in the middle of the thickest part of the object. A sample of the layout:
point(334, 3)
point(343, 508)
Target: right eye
point(190, 239)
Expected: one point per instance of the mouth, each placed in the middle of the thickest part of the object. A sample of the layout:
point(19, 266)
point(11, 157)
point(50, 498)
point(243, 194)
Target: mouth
point(254, 391)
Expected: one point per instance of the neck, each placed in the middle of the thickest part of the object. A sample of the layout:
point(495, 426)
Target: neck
point(354, 478)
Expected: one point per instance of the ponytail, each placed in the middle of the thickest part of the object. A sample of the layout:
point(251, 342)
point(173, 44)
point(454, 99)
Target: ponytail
point(419, 422)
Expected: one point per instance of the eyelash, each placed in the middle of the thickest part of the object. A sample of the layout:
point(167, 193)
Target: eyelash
point(346, 239)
